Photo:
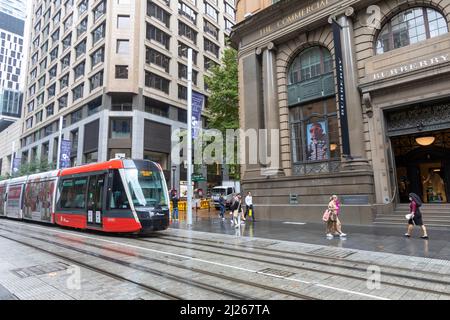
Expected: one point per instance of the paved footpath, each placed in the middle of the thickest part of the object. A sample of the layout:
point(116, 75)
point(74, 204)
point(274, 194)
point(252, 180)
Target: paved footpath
point(371, 238)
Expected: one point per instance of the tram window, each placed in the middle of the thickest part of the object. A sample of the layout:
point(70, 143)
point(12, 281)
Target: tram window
point(117, 196)
point(73, 193)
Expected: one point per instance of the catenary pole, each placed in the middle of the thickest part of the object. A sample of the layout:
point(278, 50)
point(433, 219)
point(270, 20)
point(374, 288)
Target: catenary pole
point(12, 157)
point(58, 158)
point(189, 140)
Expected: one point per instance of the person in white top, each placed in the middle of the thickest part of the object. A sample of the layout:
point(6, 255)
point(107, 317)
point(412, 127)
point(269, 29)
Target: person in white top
point(249, 205)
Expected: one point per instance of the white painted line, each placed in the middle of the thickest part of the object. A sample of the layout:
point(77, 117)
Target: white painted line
point(299, 223)
point(208, 262)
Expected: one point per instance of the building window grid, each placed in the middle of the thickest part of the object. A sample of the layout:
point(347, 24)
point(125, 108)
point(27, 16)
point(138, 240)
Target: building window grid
point(153, 10)
point(155, 57)
point(411, 26)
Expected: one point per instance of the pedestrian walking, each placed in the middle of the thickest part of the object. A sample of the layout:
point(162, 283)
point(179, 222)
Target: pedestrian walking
point(415, 216)
point(234, 205)
point(222, 206)
point(249, 206)
point(236, 208)
point(338, 221)
point(175, 201)
point(331, 221)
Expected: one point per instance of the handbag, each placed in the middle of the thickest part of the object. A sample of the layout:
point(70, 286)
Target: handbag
point(326, 215)
point(409, 216)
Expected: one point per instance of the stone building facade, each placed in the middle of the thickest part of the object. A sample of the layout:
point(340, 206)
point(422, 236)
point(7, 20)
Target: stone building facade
point(396, 71)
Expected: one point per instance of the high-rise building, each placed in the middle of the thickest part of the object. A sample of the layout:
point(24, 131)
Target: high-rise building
point(12, 26)
point(14, 8)
point(116, 71)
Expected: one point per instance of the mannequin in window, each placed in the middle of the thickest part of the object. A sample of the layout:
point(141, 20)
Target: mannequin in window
point(434, 187)
point(317, 144)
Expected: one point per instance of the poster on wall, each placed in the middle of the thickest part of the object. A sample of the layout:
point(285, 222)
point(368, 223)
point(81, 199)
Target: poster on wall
point(317, 141)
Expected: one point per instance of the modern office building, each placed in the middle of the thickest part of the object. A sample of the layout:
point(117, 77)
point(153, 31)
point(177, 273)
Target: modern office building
point(12, 27)
point(391, 80)
point(116, 70)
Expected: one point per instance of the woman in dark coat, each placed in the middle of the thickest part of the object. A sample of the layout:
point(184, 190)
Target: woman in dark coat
point(416, 218)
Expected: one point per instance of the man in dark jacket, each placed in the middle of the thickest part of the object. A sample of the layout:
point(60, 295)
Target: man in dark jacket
point(222, 206)
point(175, 201)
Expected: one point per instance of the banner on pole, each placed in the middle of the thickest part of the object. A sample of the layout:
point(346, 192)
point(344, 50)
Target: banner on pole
point(66, 146)
point(197, 106)
point(16, 165)
point(341, 88)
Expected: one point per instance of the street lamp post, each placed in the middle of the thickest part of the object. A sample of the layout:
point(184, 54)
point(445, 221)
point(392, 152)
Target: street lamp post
point(174, 169)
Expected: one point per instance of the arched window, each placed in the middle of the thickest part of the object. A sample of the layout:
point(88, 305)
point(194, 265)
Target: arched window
point(310, 63)
point(411, 26)
point(310, 76)
point(313, 113)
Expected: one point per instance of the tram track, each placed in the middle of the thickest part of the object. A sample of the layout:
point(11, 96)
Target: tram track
point(97, 269)
point(172, 244)
point(166, 275)
point(336, 262)
point(304, 268)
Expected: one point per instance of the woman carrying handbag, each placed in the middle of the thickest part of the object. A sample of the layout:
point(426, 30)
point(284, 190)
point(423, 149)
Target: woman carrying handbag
point(332, 220)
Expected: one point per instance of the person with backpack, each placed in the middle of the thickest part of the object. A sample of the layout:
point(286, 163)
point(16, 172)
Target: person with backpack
point(415, 216)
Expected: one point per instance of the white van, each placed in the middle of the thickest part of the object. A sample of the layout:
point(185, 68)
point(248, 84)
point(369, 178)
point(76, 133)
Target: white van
point(227, 193)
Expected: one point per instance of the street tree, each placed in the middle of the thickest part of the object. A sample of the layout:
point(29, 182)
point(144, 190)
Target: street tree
point(223, 102)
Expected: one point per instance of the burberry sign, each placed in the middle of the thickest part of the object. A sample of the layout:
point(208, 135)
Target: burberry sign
point(408, 67)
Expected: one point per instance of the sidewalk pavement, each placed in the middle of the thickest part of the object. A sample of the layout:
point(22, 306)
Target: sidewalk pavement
point(376, 238)
point(5, 294)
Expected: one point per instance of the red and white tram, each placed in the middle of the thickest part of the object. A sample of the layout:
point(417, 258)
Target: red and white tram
point(124, 196)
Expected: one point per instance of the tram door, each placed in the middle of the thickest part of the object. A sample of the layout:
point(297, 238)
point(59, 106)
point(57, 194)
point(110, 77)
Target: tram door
point(95, 200)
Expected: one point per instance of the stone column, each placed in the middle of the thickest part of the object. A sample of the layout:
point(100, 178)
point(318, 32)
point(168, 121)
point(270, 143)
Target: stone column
point(358, 158)
point(251, 110)
point(271, 109)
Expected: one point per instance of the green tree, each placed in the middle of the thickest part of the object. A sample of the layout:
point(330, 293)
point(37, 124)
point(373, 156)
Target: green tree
point(223, 103)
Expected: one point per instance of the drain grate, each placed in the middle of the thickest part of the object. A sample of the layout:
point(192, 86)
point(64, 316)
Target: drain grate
point(277, 272)
point(332, 253)
point(259, 243)
point(40, 270)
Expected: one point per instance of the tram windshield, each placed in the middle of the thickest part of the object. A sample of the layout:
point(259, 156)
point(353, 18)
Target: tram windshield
point(146, 188)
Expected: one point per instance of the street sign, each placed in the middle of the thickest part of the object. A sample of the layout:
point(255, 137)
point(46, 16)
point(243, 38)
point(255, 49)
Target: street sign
point(198, 177)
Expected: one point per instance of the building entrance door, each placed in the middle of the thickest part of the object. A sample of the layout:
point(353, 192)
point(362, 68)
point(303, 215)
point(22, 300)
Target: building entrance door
point(423, 166)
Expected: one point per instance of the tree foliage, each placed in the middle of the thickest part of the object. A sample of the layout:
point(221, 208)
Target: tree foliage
point(36, 166)
point(223, 103)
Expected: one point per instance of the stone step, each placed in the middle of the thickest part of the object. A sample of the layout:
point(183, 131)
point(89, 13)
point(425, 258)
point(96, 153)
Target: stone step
point(391, 223)
point(426, 221)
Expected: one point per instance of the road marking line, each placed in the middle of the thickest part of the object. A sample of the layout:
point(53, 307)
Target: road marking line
point(211, 262)
point(299, 223)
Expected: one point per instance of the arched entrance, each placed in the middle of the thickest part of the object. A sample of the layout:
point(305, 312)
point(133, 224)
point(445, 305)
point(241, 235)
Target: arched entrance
point(420, 140)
